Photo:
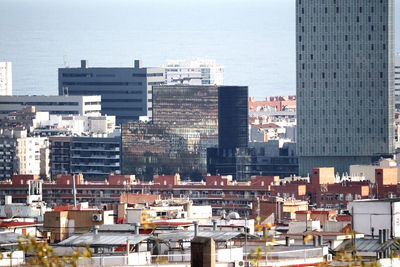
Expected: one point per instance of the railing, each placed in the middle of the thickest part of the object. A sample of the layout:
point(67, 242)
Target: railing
point(276, 256)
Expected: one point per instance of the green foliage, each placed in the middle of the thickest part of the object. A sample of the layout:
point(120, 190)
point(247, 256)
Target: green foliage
point(44, 255)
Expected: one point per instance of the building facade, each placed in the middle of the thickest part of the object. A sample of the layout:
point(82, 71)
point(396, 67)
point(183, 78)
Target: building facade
point(193, 72)
point(62, 105)
point(7, 156)
point(94, 157)
point(32, 156)
point(345, 82)
point(126, 92)
point(397, 76)
point(5, 78)
point(186, 106)
point(185, 117)
point(233, 134)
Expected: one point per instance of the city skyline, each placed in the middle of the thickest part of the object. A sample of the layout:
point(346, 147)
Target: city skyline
point(254, 40)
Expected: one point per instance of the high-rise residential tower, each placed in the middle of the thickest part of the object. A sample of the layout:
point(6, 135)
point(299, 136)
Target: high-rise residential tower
point(345, 82)
point(5, 78)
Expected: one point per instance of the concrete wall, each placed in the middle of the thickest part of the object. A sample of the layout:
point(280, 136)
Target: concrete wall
point(368, 214)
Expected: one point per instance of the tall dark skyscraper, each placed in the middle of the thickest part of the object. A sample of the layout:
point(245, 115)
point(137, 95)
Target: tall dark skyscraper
point(233, 133)
point(233, 129)
point(345, 82)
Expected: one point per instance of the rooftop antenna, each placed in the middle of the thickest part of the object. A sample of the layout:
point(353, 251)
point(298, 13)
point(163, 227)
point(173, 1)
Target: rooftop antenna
point(66, 64)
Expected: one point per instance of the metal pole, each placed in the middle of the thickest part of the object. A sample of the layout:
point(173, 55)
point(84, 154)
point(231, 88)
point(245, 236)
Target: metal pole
point(74, 189)
point(245, 235)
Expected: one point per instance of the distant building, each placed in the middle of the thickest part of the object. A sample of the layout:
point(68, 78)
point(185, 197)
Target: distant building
point(233, 133)
point(62, 105)
point(273, 158)
point(279, 103)
point(397, 75)
point(186, 106)
point(5, 78)
point(94, 157)
point(185, 118)
point(397, 81)
point(345, 82)
point(125, 92)
point(7, 156)
point(193, 72)
point(32, 156)
point(76, 125)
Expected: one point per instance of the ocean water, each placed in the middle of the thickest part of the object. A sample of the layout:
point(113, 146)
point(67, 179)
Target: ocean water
point(253, 39)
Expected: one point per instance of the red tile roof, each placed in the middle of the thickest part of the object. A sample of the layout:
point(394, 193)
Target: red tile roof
point(14, 224)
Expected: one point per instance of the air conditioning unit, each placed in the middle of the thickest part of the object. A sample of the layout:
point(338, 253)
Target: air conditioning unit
point(241, 264)
point(96, 217)
point(329, 257)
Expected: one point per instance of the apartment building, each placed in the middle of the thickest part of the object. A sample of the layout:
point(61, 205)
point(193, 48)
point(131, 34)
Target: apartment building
point(94, 157)
point(32, 156)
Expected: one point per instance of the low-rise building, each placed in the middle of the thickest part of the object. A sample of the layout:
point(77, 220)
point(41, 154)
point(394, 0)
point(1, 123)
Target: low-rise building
point(73, 105)
point(62, 224)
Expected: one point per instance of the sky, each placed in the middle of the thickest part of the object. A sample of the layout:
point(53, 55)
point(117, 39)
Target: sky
point(254, 40)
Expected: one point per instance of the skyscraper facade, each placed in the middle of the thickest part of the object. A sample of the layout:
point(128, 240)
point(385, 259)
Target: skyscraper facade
point(345, 82)
point(231, 156)
point(397, 75)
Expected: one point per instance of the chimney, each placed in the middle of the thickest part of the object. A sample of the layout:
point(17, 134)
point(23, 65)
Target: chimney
point(287, 241)
point(320, 240)
point(8, 200)
point(84, 64)
point(214, 222)
point(196, 227)
point(96, 229)
point(138, 64)
point(136, 227)
point(380, 236)
point(384, 235)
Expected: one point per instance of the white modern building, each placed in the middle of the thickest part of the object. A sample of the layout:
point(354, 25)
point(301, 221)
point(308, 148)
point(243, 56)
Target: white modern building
point(5, 78)
point(32, 156)
point(73, 105)
point(372, 215)
point(79, 125)
point(193, 72)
